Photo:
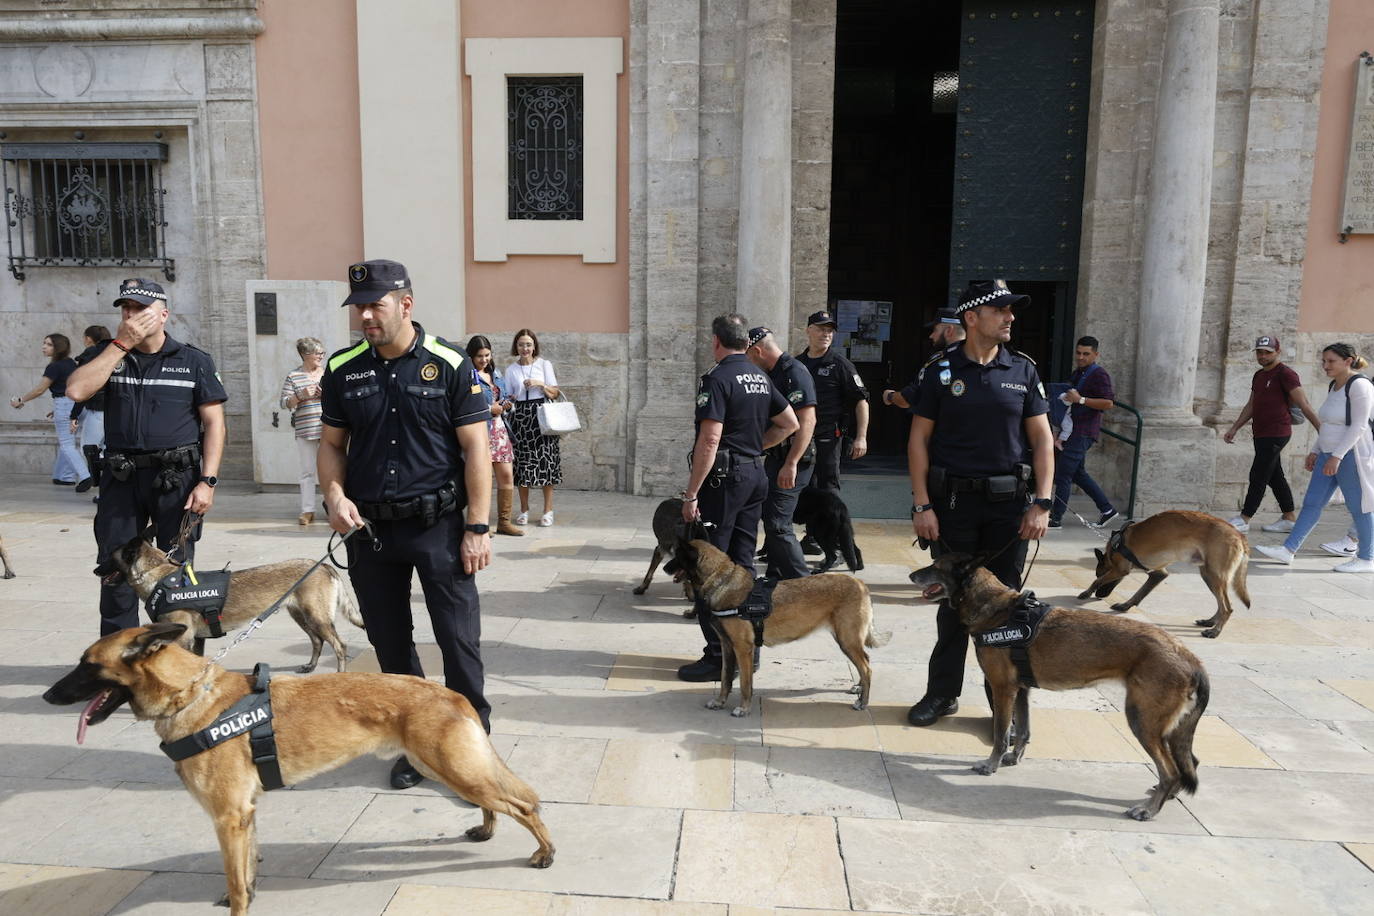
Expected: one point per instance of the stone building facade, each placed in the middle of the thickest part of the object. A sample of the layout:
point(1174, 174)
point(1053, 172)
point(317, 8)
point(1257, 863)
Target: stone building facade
point(1216, 140)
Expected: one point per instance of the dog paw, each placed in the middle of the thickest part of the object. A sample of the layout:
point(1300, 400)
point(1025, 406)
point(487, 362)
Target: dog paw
point(305, 669)
point(541, 859)
point(1010, 759)
point(639, 591)
point(860, 705)
point(739, 712)
point(223, 901)
point(690, 615)
point(1084, 596)
point(715, 704)
point(984, 768)
point(1212, 633)
point(1121, 608)
point(857, 688)
point(1140, 813)
point(1205, 622)
point(480, 834)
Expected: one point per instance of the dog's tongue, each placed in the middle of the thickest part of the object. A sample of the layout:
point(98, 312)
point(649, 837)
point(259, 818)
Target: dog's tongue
point(84, 721)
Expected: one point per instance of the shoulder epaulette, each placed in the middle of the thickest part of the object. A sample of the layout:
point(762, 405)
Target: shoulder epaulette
point(344, 355)
point(1015, 352)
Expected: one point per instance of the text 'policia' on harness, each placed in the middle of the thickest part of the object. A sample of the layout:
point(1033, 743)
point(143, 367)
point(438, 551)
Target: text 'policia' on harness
point(1117, 542)
point(754, 608)
point(251, 716)
point(1017, 634)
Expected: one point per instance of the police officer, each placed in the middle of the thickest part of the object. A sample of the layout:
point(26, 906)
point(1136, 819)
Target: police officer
point(788, 464)
point(945, 329)
point(838, 390)
point(164, 436)
point(404, 446)
point(980, 408)
point(739, 414)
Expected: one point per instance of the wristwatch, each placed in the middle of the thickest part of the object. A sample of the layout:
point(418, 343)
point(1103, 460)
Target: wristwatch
point(917, 510)
point(1047, 504)
point(210, 481)
point(477, 529)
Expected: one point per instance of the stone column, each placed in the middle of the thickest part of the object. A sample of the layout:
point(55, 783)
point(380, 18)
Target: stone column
point(764, 265)
point(1177, 461)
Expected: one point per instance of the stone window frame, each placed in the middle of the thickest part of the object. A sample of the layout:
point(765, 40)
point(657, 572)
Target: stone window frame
point(599, 61)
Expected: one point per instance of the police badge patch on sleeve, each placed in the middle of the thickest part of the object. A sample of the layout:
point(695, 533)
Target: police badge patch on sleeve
point(1040, 387)
point(795, 396)
point(858, 381)
point(703, 398)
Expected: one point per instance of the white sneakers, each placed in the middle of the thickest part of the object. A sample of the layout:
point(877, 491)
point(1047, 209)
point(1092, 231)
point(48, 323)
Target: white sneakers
point(1345, 547)
point(546, 520)
point(1277, 552)
point(1240, 524)
point(1282, 526)
point(1356, 566)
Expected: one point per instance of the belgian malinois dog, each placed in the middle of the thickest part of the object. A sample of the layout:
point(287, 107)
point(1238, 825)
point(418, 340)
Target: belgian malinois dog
point(1166, 685)
point(251, 591)
point(320, 723)
point(668, 529)
point(800, 607)
point(1221, 552)
point(5, 560)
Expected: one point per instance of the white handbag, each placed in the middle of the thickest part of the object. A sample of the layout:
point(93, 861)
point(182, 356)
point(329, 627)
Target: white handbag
point(558, 418)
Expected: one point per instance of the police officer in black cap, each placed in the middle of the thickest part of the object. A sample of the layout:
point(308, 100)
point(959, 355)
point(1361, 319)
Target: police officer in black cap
point(980, 409)
point(404, 447)
point(164, 436)
point(739, 414)
point(788, 464)
point(839, 389)
point(945, 330)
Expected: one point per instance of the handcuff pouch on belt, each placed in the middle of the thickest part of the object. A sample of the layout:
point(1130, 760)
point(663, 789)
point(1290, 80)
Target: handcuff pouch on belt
point(172, 462)
point(251, 715)
point(428, 508)
point(756, 607)
point(187, 590)
point(1017, 634)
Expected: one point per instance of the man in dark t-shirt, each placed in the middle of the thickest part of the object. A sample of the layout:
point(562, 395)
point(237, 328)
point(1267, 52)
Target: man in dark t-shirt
point(1274, 389)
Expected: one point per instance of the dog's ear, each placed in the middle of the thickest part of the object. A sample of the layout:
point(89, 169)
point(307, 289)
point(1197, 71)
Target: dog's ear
point(1097, 552)
point(152, 639)
point(149, 534)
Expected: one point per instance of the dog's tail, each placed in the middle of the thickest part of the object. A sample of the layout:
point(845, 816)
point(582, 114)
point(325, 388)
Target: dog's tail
point(872, 638)
point(1180, 739)
point(1238, 577)
point(345, 601)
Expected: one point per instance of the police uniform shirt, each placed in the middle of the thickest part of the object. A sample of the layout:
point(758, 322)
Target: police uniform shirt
point(794, 381)
point(740, 396)
point(979, 411)
point(97, 400)
point(401, 416)
point(838, 388)
point(152, 399)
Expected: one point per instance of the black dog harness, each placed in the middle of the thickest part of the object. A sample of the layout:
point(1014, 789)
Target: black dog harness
point(251, 716)
point(1017, 635)
point(188, 590)
point(1117, 542)
point(755, 608)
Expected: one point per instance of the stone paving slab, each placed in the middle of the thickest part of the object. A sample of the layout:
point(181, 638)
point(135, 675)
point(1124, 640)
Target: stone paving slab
point(182, 894)
point(52, 890)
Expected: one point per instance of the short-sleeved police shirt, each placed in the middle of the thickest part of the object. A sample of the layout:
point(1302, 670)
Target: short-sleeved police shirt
point(794, 381)
point(979, 411)
point(152, 400)
point(401, 416)
point(838, 388)
point(740, 396)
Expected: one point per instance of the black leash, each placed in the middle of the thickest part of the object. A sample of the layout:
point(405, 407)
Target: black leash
point(190, 524)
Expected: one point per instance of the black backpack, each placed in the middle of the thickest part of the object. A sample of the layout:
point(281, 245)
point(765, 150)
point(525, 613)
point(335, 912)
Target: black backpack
point(1332, 386)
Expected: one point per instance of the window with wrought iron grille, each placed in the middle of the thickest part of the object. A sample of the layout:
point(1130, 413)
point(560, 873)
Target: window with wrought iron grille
point(85, 205)
point(545, 158)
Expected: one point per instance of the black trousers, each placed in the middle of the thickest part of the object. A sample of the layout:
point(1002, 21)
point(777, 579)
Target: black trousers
point(381, 572)
point(972, 525)
point(735, 507)
point(126, 507)
point(785, 560)
point(1267, 471)
point(826, 470)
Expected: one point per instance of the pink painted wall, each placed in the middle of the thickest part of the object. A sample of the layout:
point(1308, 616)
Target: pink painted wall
point(312, 185)
point(551, 292)
point(1337, 280)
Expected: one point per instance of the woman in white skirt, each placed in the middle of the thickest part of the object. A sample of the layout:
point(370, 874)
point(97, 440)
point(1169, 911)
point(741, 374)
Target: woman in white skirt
point(529, 380)
point(300, 394)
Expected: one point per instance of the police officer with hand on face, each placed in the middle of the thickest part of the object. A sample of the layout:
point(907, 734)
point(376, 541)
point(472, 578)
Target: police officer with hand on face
point(404, 447)
point(164, 436)
point(788, 464)
point(739, 414)
point(979, 410)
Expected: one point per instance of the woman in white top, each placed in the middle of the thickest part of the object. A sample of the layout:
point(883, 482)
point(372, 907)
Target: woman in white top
point(1342, 456)
point(528, 381)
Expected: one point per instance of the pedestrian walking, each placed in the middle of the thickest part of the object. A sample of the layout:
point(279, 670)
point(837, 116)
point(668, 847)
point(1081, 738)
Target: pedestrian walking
point(300, 394)
point(502, 452)
point(69, 467)
point(1090, 395)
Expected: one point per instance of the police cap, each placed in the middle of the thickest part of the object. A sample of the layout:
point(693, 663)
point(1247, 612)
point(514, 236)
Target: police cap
point(943, 316)
point(369, 281)
point(989, 292)
point(822, 317)
point(144, 292)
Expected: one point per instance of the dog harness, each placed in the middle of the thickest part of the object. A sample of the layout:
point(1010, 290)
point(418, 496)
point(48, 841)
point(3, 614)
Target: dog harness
point(188, 590)
point(251, 716)
point(1117, 542)
point(756, 607)
point(1017, 634)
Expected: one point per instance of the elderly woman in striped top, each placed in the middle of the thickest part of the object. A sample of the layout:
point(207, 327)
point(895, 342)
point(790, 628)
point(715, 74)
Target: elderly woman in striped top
point(300, 394)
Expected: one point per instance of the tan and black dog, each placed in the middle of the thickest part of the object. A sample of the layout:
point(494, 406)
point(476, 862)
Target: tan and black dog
point(1166, 686)
point(669, 528)
point(320, 723)
point(5, 560)
point(800, 607)
point(1221, 552)
point(251, 591)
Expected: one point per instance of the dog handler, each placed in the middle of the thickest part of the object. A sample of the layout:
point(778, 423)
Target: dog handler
point(164, 436)
point(980, 408)
point(739, 415)
point(404, 447)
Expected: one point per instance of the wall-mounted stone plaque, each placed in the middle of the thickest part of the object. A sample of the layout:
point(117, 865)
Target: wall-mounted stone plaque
point(1357, 210)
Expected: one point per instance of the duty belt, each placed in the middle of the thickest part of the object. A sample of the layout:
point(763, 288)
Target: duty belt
point(251, 716)
point(430, 507)
point(185, 455)
point(1017, 634)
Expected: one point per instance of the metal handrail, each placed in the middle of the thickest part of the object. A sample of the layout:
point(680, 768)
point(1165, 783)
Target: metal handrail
point(1135, 447)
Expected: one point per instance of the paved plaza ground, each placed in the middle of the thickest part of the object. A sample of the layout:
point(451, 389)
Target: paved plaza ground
point(658, 805)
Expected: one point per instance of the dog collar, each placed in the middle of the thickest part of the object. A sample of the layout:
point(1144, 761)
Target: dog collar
point(1117, 542)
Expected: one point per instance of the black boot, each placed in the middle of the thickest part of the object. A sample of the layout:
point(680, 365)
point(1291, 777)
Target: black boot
point(810, 548)
point(701, 671)
point(928, 710)
point(403, 775)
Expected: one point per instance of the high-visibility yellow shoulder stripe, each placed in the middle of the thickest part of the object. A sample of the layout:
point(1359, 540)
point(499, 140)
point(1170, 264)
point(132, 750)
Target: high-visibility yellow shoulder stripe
point(339, 359)
point(448, 354)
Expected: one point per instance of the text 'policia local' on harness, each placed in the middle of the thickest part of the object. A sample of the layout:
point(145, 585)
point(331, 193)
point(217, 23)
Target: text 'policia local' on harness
point(1017, 634)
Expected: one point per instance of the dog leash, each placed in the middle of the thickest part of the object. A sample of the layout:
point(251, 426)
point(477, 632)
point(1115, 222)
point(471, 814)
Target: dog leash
point(190, 522)
point(276, 605)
